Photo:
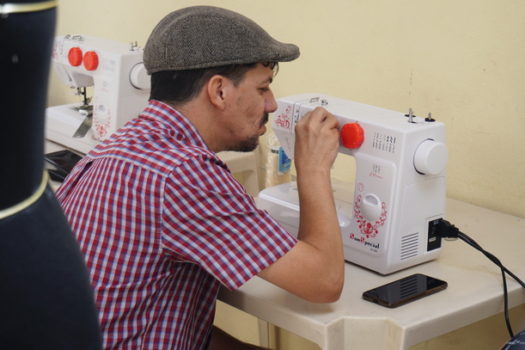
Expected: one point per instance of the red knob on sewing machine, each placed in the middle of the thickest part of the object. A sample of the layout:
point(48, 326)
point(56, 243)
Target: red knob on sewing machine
point(90, 60)
point(352, 135)
point(74, 56)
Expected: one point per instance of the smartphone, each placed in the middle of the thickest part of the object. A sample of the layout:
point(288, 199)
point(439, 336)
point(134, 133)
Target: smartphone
point(404, 290)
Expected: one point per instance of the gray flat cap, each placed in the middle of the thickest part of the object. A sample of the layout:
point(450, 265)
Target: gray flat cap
point(206, 36)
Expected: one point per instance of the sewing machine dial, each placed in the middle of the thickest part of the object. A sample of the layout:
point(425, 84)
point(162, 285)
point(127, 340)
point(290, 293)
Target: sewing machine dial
point(352, 135)
point(371, 207)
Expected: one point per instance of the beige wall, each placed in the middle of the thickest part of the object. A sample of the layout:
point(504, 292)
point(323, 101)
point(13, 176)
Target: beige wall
point(464, 61)
point(461, 60)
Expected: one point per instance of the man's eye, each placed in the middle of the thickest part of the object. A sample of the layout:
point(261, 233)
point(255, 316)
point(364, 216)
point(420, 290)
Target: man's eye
point(264, 89)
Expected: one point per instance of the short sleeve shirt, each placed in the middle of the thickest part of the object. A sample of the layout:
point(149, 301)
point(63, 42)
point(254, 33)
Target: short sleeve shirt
point(162, 223)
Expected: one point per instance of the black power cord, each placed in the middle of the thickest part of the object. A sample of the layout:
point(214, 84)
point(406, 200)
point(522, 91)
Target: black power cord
point(448, 231)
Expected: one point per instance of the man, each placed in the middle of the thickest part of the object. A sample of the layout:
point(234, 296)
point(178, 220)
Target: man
point(158, 215)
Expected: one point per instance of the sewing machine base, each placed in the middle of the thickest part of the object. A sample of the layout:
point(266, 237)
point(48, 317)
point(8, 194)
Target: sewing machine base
point(61, 124)
point(282, 202)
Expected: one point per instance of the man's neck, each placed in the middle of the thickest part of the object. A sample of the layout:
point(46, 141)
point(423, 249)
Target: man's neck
point(202, 115)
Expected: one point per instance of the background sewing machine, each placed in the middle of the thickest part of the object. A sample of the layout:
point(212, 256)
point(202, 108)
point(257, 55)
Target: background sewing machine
point(399, 193)
point(120, 89)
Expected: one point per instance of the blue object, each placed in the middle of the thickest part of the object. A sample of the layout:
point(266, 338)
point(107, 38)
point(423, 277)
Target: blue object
point(284, 163)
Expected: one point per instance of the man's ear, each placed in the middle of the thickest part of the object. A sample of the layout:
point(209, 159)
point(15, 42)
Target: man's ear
point(217, 89)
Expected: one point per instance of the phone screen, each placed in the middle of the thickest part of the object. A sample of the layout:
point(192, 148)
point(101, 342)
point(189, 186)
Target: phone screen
point(404, 290)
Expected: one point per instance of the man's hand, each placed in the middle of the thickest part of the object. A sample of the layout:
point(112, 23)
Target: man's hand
point(316, 142)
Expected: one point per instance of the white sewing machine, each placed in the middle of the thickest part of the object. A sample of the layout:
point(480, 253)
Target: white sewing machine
point(120, 89)
point(399, 193)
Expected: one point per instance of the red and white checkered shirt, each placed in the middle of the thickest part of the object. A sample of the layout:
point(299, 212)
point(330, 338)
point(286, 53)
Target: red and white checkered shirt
point(162, 223)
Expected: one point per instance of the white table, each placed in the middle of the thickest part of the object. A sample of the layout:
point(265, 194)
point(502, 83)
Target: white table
point(474, 291)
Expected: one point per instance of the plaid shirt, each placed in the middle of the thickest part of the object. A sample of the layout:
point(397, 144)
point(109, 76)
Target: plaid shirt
point(162, 223)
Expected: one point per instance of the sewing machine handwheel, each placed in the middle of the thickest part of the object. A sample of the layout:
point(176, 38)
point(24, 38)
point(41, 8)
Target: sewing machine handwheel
point(139, 78)
point(431, 157)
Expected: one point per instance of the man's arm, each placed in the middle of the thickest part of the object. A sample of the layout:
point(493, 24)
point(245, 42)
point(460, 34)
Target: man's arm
point(314, 268)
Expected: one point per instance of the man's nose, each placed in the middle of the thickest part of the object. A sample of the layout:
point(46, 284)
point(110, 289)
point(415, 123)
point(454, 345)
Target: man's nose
point(270, 104)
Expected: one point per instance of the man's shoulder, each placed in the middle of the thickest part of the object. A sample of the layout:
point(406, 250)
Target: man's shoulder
point(158, 155)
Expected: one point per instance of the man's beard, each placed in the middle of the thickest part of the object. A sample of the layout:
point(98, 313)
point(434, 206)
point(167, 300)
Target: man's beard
point(251, 143)
point(247, 145)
